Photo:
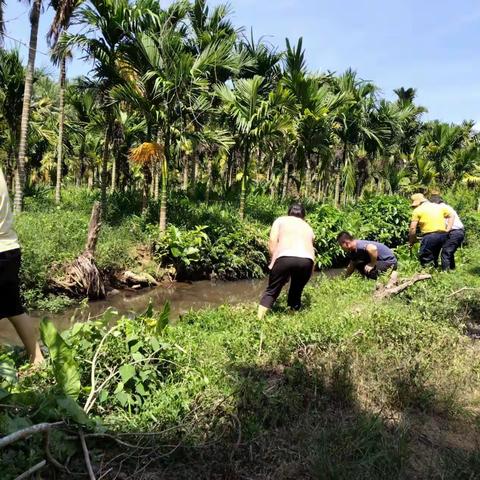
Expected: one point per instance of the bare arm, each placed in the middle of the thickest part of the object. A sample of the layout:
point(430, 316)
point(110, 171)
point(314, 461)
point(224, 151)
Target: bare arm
point(350, 269)
point(412, 233)
point(373, 254)
point(273, 240)
point(450, 220)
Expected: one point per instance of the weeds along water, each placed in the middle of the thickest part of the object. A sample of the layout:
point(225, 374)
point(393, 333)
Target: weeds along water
point(348, 387)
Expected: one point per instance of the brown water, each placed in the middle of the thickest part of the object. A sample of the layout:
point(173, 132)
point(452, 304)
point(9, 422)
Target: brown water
point(182, 297)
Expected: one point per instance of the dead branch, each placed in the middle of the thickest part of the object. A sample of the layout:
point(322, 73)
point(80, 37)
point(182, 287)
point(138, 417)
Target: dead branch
point(91, 396)
point(27, 432)
point(32, 470)
point(51, 459)
point(86, 455)
point(463, 289)
point(386, 292)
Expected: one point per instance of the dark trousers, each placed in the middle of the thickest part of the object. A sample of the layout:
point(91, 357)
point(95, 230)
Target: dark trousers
point(453, 242)
point(430, 248)
point(380, 267)
point(298, 270)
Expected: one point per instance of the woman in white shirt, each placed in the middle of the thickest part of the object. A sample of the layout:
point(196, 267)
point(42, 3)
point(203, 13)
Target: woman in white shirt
point(292, 252)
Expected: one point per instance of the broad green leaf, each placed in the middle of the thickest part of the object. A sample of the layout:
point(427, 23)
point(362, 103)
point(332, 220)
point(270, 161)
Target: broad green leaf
point(149, 311)
point(65, 367)
point(140, 389)
point(162, 321)
point(176, 252)
point(119, 388)
point(3, 394)
point(123, 398)
point(126, 372)
point(72, 410)
point(103, 396)
point(8, 372)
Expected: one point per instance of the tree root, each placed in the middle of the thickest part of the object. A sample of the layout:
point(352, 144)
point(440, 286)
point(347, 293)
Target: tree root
point(82, 277)
point(394, 289)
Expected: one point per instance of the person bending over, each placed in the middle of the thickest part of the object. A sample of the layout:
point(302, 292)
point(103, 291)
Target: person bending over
point(10, 258)
point(292, 254)
point(369, 258)
point(455, 238)
point(435, 222)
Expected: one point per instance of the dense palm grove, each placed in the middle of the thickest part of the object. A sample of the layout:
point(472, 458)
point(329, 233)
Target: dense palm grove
point(180, 98)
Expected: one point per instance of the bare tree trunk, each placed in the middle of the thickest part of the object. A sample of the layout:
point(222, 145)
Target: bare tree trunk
point(114, 174)
point(105, 155)
point(196, 166)
point(163, 194)
point(61, 124)
point(286, 167)
point(243, 192)
point(27, 97)
point(186, 164)
point(209, 178)
point(308, 176)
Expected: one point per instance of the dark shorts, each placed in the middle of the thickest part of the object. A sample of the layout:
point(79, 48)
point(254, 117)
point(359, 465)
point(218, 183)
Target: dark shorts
point(10, 300)
point(380, 267)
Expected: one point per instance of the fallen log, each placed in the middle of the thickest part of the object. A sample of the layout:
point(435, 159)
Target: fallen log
point(388, 291)
point(82, 277)
point(144, 279)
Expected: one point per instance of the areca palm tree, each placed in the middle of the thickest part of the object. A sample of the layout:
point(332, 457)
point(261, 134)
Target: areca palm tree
point(27, 97)
point(107, 21)
point(12, 84)
point(169, 81)
point(255, 117)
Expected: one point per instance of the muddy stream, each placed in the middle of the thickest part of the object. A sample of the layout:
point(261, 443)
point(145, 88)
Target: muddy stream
point(182, 297)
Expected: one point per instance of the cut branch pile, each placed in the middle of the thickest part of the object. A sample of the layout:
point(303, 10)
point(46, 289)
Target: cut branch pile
point(395, 288)
point(82, 277)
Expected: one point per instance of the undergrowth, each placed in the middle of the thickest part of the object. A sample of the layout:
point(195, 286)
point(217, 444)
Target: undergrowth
point(347, 388)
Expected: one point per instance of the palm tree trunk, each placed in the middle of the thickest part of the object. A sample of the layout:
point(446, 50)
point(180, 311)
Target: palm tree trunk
point(163, 193)
point(105, 155)
point(308, 176)
point(186, 164)
point(196, 166)
point(243, 192)
point(286, 166)
point(27, 97)
point(81, 163)
point(114, 174)
point(61, 124)
point(338, 174)
point(209, 178)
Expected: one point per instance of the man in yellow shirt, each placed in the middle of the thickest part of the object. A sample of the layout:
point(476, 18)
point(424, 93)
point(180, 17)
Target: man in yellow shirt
point(434, 221)
point(10, 258)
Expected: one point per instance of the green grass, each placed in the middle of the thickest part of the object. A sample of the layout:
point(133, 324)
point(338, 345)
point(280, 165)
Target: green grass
point(347, 388)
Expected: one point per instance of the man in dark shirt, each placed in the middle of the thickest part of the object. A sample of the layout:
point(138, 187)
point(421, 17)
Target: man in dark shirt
point(369, 258)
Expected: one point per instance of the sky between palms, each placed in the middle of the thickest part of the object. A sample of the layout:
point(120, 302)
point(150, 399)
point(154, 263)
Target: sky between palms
point(430, 45)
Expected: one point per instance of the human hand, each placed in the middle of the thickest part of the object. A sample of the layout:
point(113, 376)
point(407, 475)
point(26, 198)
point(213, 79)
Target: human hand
point(368, 268)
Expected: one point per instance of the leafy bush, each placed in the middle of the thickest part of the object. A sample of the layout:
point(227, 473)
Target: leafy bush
point(384, 218)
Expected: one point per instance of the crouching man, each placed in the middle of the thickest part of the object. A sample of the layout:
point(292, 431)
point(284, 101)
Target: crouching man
point(367, 257)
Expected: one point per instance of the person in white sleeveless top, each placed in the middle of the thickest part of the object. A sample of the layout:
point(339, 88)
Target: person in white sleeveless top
point(456, 236)
point(293, 255)
point(10, 259)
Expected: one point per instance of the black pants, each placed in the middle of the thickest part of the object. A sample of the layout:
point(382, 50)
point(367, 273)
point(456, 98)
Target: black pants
point(10, 300)
point(380, 267)
point(298, 270)
point(430, 248)
point(453, 242)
